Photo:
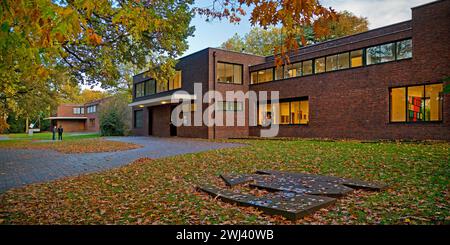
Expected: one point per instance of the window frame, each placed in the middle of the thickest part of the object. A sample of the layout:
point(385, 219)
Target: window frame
point(406, 101)
point(313, 61)
point(134, 121)
point(289, 100)
point(233, 64)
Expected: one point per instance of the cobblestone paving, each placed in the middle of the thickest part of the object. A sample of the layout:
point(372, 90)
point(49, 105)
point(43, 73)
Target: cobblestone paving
point(20, 167)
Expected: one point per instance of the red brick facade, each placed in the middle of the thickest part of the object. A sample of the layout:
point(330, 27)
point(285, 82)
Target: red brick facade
point(351, 103)
point(85, 121)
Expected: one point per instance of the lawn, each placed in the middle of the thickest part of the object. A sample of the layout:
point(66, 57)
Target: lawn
point(72, 143)
point(48, 136)
point(162, 191)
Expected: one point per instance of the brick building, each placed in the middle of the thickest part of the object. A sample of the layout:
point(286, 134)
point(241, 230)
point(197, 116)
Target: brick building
point(78, 117)
point(386, 83)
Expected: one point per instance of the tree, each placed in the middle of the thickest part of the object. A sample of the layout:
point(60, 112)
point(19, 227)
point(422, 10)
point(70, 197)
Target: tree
point(85, 41)
point(115, 115)
point(293, 16)
point(345, 24)
point(261, 41)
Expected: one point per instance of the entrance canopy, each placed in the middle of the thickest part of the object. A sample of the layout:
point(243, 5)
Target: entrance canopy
point(162, 100)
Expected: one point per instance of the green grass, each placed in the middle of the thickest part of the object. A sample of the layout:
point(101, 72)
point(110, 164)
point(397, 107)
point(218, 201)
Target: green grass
point(162, 191)
point(48, 136)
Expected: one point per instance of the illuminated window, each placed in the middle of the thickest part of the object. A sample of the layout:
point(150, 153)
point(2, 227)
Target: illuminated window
point(416, 103)
point(433, 102)
point(319, 65)
point(332, 63)
point(175, 82)
point(265, 75)
point(343, 61)
point(254, 77)
point(284, 113)
point(289, 112)
point(293, 70)
point(356, 58)
point(229, 73)
point(398, 105)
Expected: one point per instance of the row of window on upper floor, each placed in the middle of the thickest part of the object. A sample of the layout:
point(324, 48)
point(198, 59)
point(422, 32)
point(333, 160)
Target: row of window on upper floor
point(153, 86)
point(357, 58)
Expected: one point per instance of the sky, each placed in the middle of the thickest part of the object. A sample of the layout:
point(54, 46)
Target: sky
point(379, 13)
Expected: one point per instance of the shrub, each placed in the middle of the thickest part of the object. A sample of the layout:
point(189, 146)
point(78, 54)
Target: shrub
point(115, 116)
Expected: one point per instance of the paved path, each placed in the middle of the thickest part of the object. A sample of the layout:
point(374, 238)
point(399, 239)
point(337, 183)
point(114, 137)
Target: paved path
point(19, 167)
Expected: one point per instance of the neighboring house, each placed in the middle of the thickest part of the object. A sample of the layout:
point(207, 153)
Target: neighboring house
point(78, 117)
point(385, 83)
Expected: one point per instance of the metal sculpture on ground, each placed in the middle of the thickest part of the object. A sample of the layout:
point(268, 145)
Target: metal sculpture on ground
point(294, 194)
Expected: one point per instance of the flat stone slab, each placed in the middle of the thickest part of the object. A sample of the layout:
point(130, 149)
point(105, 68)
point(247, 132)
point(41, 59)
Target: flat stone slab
point(238, 179)
point(353, 183)
point(288, 204)
point(301, 186)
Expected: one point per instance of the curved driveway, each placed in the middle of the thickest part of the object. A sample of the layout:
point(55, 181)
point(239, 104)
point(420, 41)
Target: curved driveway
point(20, 167)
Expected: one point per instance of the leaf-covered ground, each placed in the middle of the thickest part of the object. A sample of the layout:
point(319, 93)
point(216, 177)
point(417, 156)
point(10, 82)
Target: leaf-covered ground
point(70, 146)
point(162, 191)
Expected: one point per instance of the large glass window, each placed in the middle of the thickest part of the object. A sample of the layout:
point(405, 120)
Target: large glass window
point(229, 106)
point(332, 63)
point(307, 67)
point(343, 61)
point(265, 75)
point(91, 109)
point(380, 54)
point(416, 103)
point(356, 58)
point(229, 73)
point(254, 77)
point(284, 113)
point(373, 55)
point(150, 87)
point(138, 118)
point(293, 70)
point(387, 52)
point(162, 86)
point(265, 116)
point(319, 65)
point(175, 82)
point(279, 73)
point(290, 112)
point(433, 102)
point(398, 104)
point(404, 49)
point(140, 90)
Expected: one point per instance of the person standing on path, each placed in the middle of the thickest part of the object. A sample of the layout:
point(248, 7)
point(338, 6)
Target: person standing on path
point(60, 132)
point(54, 132)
